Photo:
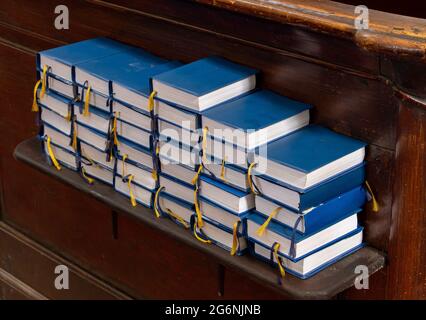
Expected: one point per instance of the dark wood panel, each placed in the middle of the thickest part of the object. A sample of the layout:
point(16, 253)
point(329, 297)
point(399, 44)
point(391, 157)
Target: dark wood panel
point(16, 250)
point(13, 289)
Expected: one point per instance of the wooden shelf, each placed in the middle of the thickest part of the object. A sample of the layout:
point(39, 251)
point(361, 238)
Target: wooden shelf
point(326, 284)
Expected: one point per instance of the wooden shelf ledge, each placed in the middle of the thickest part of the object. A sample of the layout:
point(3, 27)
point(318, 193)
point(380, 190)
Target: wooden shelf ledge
point(326, 284)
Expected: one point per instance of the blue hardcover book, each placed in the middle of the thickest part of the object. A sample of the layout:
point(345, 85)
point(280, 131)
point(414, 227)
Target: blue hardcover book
point(95, 155)
point(141, 194)
point(61, 60)
point(136, 152)
point(57, 137)
point(176, 209)
point(97, 119)
point(173, 152)
point(222, 236)
point(177, 188)
point(256, 118)
point(63, 156)
point(219, 213)
point(56, 120)
point(100, 72)
point(132, 85)
point(142, 175)
point(93, 137)
point(181, 133)
point(302, 200)
point(226, 196)
point(57, 103)
point(227, 173)
point(314, 218)
point(293, 244)
point(97, 171)
point(309, 156)
point(313, 263)
point(204, 83)
point(130, 132)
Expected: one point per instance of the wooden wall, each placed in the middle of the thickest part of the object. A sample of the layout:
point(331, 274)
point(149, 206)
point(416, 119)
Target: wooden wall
point(341, 80)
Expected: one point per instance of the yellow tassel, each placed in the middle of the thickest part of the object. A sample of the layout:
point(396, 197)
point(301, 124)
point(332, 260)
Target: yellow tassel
point(74, 136)
point(234, 238)
point(200, 222)
point(154, 175)
point(151, 101)
point(197, 175)
point(177, 217)
point(278, 259)
point(261, 230)
point(199, 238)
point(114, 129)
point(52, 155)
point(123, 166)
point(132, 196)
point(43, 81)
point(204, 144)
point(373, 198)
point(88, 179)
point(249, 178)
point(86, 101)
point(156, 211)
point(222, 171)
point(68, 117)
point(34, 107)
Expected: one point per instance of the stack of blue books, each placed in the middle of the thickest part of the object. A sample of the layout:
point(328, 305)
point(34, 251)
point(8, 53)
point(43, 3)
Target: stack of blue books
point(198, 143)
point(183, 94)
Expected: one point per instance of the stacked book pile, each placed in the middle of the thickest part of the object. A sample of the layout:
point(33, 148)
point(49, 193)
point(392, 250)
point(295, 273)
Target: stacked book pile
point(241, 167)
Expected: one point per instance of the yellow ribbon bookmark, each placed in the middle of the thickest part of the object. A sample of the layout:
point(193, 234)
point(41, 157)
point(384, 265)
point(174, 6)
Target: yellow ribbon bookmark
point(43, 81)
point(157, 213)
point(204, 144)
point(34, 107)
point(151, 101)
point(52, 155)
point(200, 222)
point(198, 237)
point(74, 136)
point(222, 170)
point(177, 217)
point(264, 226)
point(373, 198)
point(88, 179)
point(86, 101)
point(249, 178)
point(234, 238)
point(123, 165)
point(132, 196)
point(279, 260)
point(197, 175)
point(114, 129)
point(154, 175)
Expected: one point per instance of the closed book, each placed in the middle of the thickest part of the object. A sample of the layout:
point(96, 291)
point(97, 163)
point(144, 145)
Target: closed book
point(175, 208)
point(55, 120)
point(314, 218)
point(309, 156)
point(226, 196)
point(57, 137)
point(100, 72)
point(174, 152)
point(133, 116)
point(61, 60)
point(174, 132)
point(97, 171)
point(142, 195)
point(256, 119)
point(64, 156)
point(135, 152)
point(97, 119)
point(130, 132)
point(142, 175)
point(216, 212)
point(204, 83)
point(92, 136)
point(57, 103)
point(227, 173)
point(179, 171)
point(222, 236)
point(177, 188)
point(302, 200)
point(131, 84)
point(96, 155)
point(293, 244)
point(313, 263)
